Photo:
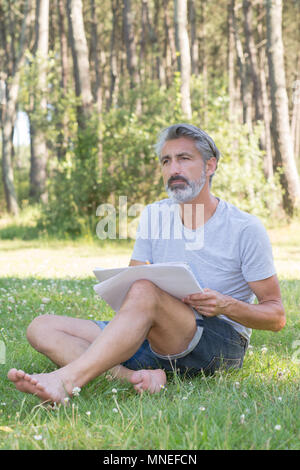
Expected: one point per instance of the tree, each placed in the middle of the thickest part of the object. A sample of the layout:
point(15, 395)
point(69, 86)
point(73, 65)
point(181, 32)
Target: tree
point(183, 48)
point(244, 72)
point(129, 39)
point(231, 62)
point(81, 65)
point(14, 38)
point(38, 115)
point(284, 152)
point(62, 126)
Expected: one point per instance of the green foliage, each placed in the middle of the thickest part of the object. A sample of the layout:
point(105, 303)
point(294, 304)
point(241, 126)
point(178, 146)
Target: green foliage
point(240, 178)
point(72, 192)
point(127, 165)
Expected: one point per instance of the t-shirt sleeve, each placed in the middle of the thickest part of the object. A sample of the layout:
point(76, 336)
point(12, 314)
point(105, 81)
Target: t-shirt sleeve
point(256, 253)
point(142, 250)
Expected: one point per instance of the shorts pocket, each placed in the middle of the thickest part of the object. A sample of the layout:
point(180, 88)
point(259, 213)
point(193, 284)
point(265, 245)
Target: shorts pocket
point(222, 363)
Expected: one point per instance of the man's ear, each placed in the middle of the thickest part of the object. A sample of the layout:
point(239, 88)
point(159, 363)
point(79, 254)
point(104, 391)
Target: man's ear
point(211, 166)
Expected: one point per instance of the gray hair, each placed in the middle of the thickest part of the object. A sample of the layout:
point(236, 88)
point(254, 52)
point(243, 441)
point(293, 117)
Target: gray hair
point(203, 142)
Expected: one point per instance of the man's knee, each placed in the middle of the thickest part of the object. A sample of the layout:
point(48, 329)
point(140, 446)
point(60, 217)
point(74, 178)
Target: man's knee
point(144, 291)
point(38, 330)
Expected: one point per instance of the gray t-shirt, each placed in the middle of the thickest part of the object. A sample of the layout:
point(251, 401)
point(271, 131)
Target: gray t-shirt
point(231, 249)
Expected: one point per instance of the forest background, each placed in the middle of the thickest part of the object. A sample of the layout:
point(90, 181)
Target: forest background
point(97, 80)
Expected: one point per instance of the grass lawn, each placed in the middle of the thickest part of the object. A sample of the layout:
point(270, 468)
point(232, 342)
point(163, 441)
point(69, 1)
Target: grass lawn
point(253, 408)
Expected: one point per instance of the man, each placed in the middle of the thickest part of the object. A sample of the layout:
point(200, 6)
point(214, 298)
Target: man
point(154, 332)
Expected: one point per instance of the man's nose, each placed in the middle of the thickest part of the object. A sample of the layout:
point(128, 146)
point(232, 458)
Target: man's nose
point(175, 168)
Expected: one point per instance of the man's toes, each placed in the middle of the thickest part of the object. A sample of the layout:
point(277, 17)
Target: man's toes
point(136, 377)
point(28, 378)
point(40, 386)
point(12, 375)
point(20, 374)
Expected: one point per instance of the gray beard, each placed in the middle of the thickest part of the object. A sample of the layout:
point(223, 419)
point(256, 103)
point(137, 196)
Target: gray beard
point(192, 189)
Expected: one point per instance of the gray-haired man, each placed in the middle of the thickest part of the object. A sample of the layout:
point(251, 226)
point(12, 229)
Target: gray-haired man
point(154, 332)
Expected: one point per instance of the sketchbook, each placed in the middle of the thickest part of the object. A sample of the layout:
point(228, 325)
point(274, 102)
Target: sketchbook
point(175, 278)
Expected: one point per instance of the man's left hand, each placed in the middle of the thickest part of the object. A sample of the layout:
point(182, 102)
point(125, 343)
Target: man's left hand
point(209, 302)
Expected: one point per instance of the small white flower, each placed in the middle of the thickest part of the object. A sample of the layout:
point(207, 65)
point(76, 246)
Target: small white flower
point(278, 427)
point(76, 391)
point(115, 410)
point(114, 390)
point(202, 408)
point(242, 419)
point(184, 398)
point(66, 400)
point(45, 300)
point(279, 398)
point(264, 350)
point(88, 413)
point(237, 384)
point(38, 437)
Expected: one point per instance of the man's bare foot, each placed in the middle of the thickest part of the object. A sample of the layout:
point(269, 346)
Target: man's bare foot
point(48, 387)
point(148, 380)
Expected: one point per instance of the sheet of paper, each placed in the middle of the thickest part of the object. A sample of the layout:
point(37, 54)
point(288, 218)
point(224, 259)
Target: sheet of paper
point(175, 278)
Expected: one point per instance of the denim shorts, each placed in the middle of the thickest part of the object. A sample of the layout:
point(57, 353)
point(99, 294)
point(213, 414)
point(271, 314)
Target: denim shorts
point(216, 345)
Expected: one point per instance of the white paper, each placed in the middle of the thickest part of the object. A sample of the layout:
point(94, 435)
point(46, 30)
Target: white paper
point(175, 278)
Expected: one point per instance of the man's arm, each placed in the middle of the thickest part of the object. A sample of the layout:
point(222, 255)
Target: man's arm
point(268, 314)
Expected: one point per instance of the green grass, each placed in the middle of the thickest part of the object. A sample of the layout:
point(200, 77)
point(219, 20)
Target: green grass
point(256, 407)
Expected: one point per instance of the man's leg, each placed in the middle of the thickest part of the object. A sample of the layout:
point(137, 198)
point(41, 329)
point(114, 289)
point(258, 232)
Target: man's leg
point(64, 339)
point(147, 312)
point(61, 339)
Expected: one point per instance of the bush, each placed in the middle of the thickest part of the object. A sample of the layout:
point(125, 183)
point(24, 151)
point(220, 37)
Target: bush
point(129, 166)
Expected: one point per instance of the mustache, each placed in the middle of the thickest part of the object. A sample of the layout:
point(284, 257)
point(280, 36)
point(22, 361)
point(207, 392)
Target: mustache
point(177, 178)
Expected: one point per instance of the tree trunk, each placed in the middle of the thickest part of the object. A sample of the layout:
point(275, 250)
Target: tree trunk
point(114, 76)
point(39, 151)
point(204, 56)
point(183, 47)
point(252, 60)
point(132, 61)
point(295, 122)
point(231, 63)
point(7, 166)
point(63, 46)
point(268, 160)
point(63, 132)
point(97, 87)
point(131, 55)
point(169, 45)
point(14, 60)
point(243, 73)
point(267, 143)
point(80, 56)
point(194, 38)
point(280, 126)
